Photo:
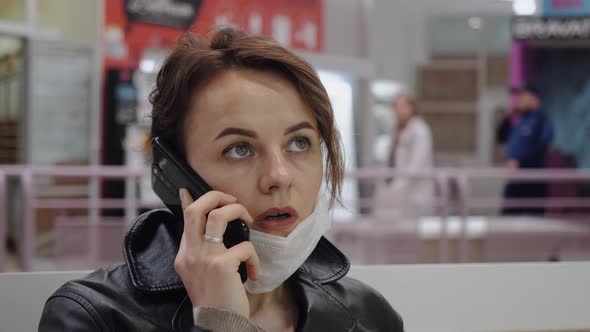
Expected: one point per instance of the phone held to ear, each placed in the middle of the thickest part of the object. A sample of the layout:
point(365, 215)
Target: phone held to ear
point(170, 173)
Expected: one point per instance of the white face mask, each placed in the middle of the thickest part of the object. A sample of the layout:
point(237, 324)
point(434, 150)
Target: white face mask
point(281, 256)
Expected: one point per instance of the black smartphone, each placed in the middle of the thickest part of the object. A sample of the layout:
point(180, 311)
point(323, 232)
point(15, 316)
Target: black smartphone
point(170, 173)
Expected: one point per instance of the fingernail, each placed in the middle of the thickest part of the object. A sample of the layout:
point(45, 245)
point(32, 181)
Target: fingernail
point(182, 194)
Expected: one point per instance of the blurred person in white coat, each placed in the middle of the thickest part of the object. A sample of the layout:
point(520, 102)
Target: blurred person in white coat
point(405, 197)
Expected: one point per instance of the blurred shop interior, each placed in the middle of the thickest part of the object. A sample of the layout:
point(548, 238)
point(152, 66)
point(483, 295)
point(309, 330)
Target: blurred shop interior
point(75, 76)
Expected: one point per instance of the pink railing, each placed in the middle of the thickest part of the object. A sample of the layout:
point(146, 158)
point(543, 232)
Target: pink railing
point(2, 219)
point(442, 178)
point(465, 179)
point(26, 175)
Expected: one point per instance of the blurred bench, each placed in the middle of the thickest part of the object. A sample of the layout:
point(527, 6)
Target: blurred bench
point(489, 239)
point(460, 297)
point(23, 295)
point(486, 297)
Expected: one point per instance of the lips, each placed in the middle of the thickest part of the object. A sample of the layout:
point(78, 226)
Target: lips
point(276, 218)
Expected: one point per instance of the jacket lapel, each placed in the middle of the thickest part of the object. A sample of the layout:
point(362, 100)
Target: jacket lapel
point(150, 248)
point(319, 309)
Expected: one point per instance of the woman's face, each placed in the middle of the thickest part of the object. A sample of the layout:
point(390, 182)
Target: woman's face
point(403, 109)
point(250, 134)
point(526, 102)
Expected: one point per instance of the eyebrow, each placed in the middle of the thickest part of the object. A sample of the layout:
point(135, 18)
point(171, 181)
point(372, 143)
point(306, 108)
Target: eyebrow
point(251, 133)
point(237, 131)
point(298, 126)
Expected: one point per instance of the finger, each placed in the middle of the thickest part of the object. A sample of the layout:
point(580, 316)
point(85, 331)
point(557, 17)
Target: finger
point(195, 212)
point(245, 252)
point(180, 254)
point(185, 198)
point(218, 219)
point(193, 222)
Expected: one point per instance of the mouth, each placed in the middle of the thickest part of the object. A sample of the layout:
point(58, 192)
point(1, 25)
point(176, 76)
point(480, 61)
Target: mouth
point(276, 219)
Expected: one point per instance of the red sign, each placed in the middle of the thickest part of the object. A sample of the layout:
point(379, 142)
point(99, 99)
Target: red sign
point(134, 25)
point(561, 4)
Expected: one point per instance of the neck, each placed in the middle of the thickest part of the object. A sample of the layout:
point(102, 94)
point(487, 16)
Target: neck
point(403, 123)
point(274, 311)
point(258, 302)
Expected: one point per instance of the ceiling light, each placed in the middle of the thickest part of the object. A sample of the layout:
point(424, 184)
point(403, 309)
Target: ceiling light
point(524, 7)
point(385, 89)
point(475, 22)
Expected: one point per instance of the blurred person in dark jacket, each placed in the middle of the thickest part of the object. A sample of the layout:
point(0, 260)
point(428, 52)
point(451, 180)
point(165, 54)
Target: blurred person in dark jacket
point(527, 133)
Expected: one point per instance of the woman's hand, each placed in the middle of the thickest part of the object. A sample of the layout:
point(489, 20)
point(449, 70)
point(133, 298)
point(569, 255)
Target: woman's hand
point(209, 271)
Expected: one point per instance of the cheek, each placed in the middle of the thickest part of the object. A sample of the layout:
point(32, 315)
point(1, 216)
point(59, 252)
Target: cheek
point(219, 175)
point(234, 181)
point(403, 113)
point(310, 179)
point(318, 174)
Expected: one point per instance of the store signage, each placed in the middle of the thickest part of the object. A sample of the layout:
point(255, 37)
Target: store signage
point(131, 26)
point(537, 28)
point(566, 8)
point(171, 13)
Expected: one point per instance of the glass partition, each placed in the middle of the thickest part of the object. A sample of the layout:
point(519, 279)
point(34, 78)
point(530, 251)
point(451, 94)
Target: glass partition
point(69, 19)
point(12, 10)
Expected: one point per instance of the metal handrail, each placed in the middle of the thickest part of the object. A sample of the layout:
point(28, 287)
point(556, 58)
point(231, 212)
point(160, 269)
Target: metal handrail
point(3, 219)
point(442, 177)
point(463, 178)
point(26, 173)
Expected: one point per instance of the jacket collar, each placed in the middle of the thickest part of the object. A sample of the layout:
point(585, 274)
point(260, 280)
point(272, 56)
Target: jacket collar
point(151, 245)
point(318, 306)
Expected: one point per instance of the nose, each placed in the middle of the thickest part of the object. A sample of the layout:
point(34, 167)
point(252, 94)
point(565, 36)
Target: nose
point(276, 174)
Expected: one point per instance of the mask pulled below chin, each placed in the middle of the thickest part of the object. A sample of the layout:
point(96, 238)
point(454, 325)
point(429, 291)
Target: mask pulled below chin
point(281, 256)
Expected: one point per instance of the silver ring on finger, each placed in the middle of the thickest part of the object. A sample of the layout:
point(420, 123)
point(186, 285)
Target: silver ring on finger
point(212, 239)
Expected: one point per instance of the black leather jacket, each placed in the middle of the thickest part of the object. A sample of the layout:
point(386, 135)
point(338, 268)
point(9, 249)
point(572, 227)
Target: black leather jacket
point(145, 294)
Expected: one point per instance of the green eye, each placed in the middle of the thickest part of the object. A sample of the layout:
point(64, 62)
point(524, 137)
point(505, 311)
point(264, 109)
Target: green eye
point(242, 150)
point(299, 144)
point(238, 151)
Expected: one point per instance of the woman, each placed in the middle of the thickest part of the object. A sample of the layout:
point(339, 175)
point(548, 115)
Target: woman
point(254, 121)
point(411, 150)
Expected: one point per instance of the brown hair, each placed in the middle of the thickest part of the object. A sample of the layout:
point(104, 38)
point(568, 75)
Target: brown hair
point(196, 61)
